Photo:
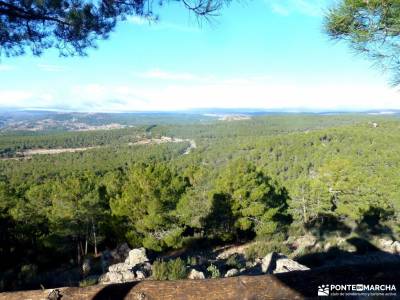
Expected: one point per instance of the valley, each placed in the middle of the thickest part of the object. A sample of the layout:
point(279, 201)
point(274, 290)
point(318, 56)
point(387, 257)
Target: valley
point(316, 189)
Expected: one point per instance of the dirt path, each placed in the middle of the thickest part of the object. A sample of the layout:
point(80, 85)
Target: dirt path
point(167, 139)
point(27, 154)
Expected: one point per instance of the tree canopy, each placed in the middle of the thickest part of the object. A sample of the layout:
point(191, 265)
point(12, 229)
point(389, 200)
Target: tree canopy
point(73, 26)
point(371, 27)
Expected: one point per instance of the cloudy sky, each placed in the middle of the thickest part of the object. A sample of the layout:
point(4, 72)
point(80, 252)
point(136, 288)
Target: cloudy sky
point(256, 54)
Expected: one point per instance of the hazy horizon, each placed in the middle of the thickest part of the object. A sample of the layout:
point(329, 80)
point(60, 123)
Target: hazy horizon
point(280, 58)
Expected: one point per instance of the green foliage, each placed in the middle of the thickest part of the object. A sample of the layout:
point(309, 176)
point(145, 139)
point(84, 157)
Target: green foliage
point(266, 178)
point(173, 269)
point(235, 262)
point(370, 27)
point(248, 200)
point(262, 247)
point(191, 261)
point(177, 269)
point(149, 197)
point(214, 271)
point(88, 282)
point(160, 270)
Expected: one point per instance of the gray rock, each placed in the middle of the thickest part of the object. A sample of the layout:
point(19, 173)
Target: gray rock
point(287, 265)
point(128, 276)
point(278, 263)
point(385, 243)
point(396, 247)
point(232, 272)
point(120, 267)
point(194, 274)
point(389, 246)
point(135, 267)
point(268, 263)
point(117, 277)
point(136, 256)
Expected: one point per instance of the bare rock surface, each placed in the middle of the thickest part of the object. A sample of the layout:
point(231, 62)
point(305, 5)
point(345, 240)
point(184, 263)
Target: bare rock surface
point(274, 263)
point(136, 267)
point(194, 274)
point(232, 272)
point(136, 256)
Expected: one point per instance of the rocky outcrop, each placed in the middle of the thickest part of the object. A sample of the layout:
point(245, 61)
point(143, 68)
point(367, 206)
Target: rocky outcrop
point(232, 272)
point(274, 263)
point(289, 285)
point(389, 246)
point(136, 267)
point(194, 274)
point(136, 256)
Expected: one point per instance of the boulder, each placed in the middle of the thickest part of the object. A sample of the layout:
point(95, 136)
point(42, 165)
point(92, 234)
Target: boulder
point(232, 272)
point(389, 246)
point(396, 247)
point(135, 267)
point(128, 276)
point(278, 263)
point(385, 243)
point(120, 267)
point(117, 277)
point(287, 265)
point(194, 274)
point(136, 256)
point(268, 263)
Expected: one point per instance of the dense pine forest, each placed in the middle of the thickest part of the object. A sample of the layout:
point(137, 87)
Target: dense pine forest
point(266, 179)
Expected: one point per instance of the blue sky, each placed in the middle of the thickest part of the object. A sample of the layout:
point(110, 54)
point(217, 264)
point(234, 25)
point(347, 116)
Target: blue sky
point(260, 54)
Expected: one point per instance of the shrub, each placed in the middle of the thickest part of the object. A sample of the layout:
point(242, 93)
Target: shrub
point(234, 262)
point(176, 269)
point(214, 271)
point(88, 281)
point(262, 248)
point(172, 270)
point(160, 270)
point(191, 260)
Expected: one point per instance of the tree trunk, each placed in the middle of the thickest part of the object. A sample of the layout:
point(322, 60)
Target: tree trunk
point(94, 239)
point(78, 254)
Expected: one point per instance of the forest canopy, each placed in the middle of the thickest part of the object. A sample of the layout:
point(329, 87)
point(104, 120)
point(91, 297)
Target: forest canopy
point(266, 179)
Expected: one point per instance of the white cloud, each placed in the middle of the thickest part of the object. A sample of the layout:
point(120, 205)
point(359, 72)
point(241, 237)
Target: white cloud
point(11, 98)
point(165, 75)
point(163, 90)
